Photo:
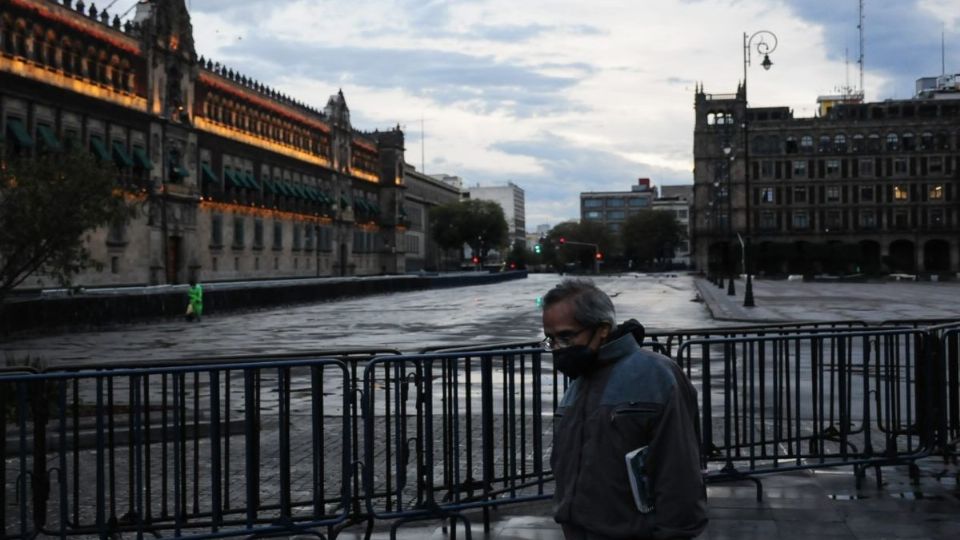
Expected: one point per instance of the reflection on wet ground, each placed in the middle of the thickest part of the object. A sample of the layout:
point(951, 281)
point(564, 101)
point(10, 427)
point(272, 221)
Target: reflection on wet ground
point(406, 321)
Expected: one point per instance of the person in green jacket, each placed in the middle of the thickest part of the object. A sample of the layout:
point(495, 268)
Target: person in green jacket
point(195, 305)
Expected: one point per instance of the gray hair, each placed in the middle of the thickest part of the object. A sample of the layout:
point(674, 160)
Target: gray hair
point(591, 306)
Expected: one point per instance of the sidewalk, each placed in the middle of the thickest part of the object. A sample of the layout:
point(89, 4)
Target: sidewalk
point(795, 301)
point(803, 505)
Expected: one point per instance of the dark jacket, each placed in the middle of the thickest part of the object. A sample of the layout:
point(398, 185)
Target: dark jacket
point(635, 398)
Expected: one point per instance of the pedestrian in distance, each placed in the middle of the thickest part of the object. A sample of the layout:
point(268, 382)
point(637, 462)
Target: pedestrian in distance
point(195, 301)
point(626, 453)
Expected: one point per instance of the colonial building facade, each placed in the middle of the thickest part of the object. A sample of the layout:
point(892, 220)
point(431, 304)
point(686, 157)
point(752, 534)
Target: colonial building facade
point(235, 180)
point(422, 193)
point(861, 187)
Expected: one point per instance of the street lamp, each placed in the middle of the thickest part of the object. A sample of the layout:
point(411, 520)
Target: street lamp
point(759, 40)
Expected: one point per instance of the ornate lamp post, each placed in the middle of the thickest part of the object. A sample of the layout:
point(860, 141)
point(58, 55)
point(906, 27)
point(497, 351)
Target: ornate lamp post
point(765, 43)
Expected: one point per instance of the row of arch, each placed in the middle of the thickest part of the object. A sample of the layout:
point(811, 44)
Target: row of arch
point(68, 54)
point(837, 257)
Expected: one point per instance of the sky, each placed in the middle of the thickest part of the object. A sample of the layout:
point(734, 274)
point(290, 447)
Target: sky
point(559, 96)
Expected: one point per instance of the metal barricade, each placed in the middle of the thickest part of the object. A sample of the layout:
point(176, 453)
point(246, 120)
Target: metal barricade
point(949, 398)
point(799, 401)
point(194, 450)
point(447, 432)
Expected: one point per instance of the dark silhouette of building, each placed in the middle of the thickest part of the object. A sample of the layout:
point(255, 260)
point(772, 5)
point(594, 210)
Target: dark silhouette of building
point(860, 187)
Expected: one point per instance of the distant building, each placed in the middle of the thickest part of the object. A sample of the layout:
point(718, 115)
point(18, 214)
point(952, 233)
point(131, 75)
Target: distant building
point(869, 187)
point(455, 182)
point(423, 193)
point(677, 200)
point(612, 208)
point(511, 198)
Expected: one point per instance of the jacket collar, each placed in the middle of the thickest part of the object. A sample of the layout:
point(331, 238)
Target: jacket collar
point(613, 351)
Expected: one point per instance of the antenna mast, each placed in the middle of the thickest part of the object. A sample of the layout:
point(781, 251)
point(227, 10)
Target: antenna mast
point(860, 61)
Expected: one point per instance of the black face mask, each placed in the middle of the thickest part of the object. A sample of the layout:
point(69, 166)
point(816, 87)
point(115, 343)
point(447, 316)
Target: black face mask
point(575, 360)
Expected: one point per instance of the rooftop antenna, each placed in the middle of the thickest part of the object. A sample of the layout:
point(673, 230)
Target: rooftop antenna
point(860, 61)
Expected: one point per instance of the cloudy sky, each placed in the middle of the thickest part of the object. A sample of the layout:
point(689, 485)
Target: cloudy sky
point(565, 96)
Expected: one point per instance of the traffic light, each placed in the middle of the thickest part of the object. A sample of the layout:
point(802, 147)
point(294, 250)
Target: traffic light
point(538, 248)
point(599, 256)
point(563, 240)
point(476, 260)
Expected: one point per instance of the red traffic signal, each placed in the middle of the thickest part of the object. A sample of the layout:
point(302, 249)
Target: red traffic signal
point(476, 259)
point(563, 240)
point(599, 256)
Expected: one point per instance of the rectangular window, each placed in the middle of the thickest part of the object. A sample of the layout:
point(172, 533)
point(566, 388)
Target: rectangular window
point(866, 167)
point(801, 220)
point(866, 193)
point(297, 236)
point(935, 165)
point(900, 166)
point(592, 203)
point(936, 218)
point(238, 232)
point(800, 195)
point(594, 214)
point(868, 219)
point(768, 221)
point(766, 169)
point(767, 195)
point(682, 213)
point(833, 194)
point(936, 192)
point(277, 235)
point(615, 203)
point(308, 237)
point(216, 231)
point(615, 214)
point(901, 219)
point(800, 167)
point(834, 220)
point(639, 202)
point(833, 167)
point(901, 193)
point(258, 233)
point(613, 227)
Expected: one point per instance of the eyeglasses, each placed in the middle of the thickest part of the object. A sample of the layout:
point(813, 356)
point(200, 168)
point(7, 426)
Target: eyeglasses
point(563, 339)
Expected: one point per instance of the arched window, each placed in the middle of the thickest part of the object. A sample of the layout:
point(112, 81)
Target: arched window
point(926, 141)
point(806, 143)
point(893, 142)
point(858, 143)
point(824, 145)
point(840, 142)
point(908, 143)
point(873, 143)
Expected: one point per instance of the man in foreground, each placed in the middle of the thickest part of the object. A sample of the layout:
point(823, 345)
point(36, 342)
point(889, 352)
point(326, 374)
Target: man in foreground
point(622, 399)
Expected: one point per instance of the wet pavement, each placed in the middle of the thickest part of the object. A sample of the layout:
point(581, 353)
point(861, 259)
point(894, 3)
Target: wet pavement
point(406, 321)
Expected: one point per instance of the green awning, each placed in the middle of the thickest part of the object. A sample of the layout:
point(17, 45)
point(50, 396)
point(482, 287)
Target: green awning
point(49, 138)
point(374, 208)
point(360, 205)
point(19, 132)
point(99, 149)
point(120, 155)
point(234, 180)
point(270, 186)
point(141, 160)
point(403, 211)
point(251, 181)
point(326, 199)
point(310, 194)
point(280, 188)
point(344, 203)
point(205, 171)
point(180, 171)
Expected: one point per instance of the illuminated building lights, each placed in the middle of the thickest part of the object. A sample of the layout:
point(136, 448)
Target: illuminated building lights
point(25, 69)
point(216, 128)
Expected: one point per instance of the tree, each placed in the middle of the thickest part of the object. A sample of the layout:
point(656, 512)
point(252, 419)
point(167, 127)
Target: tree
point(559, 254)
point(46, 206)
point(479, 224)
point(650, 236)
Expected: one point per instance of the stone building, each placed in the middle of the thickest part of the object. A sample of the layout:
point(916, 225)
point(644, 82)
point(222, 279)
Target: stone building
point(236, 180)
point(861, 187)
point(422, 193)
